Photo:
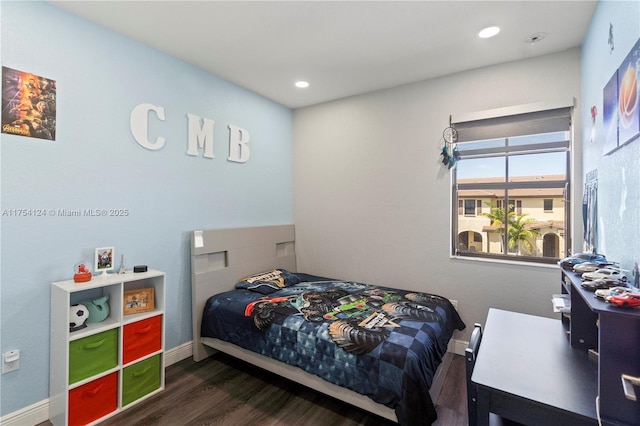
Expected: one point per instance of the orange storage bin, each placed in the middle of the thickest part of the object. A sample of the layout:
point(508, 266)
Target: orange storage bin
point(93, 400)
point(141, 338)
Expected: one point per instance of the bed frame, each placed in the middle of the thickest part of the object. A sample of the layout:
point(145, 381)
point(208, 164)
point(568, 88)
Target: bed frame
point(220, 258)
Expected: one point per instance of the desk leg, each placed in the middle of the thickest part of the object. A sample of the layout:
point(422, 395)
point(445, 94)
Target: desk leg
point(483, 407)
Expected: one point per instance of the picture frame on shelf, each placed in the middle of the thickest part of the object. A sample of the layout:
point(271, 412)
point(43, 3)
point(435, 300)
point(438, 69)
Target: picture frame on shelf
point(138, 300)
point(104, 259)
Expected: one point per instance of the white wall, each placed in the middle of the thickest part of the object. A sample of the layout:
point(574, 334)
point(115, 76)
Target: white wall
point(371, 200)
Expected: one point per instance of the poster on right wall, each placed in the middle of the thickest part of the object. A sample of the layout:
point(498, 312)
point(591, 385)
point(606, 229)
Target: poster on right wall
point(621, 114)
point(629, 122)
point(610, 114)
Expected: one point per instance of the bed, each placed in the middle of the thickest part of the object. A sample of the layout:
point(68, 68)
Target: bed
point(348, 333)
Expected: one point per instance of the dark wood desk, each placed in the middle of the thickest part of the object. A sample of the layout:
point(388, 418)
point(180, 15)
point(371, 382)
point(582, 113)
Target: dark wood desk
point(527, 371)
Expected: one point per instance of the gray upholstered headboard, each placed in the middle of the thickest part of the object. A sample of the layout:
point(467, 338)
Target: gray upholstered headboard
point(221, 257)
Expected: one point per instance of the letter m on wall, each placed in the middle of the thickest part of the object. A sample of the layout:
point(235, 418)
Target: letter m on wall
point(200, 136)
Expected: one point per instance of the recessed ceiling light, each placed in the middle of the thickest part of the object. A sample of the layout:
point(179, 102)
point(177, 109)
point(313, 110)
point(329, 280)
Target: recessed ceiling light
point(489, 32)
point(302, 84)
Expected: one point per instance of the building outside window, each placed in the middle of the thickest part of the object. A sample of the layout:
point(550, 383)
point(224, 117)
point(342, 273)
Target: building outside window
point(515, 171)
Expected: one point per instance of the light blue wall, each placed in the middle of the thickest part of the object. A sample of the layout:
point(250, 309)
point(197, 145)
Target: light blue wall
point(619, 172)
point(96, 163)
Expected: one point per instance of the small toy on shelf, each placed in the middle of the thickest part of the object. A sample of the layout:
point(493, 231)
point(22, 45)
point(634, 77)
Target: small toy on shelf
point(626, 300)
point(98, 309)
point(78, 315)
point(609, 272)
point(81, 272)
point(613, 291)
point(600, 283)
point(569, 262)
point(122, 269)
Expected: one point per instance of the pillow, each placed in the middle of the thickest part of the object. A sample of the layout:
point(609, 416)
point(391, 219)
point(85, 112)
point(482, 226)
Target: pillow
point(269, 282)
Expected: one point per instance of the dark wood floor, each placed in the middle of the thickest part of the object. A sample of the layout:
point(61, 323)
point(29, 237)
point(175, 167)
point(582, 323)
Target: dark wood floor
point(225, 391)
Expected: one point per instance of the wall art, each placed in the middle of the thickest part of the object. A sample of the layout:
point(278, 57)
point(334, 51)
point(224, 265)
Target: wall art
point(28, 104)
point(621, 113)
point(610, 114)
point(629, 113)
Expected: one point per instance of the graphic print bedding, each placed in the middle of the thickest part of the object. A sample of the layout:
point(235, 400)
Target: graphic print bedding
point(380, 342)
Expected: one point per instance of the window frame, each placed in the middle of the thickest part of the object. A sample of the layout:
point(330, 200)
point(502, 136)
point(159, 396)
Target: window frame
point(505, 152)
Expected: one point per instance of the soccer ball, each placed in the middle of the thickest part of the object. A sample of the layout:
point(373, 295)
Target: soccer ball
point(78, 315)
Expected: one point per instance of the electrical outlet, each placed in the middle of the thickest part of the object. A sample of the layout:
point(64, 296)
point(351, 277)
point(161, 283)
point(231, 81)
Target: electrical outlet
point(10, 361)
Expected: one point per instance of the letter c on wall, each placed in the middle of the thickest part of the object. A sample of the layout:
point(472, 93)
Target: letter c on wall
point(139, 122)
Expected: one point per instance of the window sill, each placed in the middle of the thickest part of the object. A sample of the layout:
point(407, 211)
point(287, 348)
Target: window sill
point(503, 261)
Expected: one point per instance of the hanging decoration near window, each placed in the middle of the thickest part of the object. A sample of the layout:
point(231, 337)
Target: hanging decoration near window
point(449, 151)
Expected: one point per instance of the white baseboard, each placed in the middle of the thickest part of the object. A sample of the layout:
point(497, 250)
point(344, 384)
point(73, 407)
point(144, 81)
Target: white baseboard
point(178, 353)
point(39, 412)
point(31, 415)
point(457, 346)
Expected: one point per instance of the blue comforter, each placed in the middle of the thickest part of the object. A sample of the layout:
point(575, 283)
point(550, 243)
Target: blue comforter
point(380, 342)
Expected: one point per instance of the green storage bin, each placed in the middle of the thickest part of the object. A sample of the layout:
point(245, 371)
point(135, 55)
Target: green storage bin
point(93, 355)
point(140, 379)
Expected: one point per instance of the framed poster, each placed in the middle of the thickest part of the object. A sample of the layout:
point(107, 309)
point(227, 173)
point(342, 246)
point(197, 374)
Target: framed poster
point(28, 104)
point(621, 99)
point(610, 114)
point(628, 110)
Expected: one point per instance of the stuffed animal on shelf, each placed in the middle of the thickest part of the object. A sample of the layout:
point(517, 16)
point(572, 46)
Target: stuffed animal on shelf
point(98, 308)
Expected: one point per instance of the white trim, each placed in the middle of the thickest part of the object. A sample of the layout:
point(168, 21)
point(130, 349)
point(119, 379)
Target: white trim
point(457, 346)
point(31, 415)
point(39, 412)
point(178, 353)
point(513, 110)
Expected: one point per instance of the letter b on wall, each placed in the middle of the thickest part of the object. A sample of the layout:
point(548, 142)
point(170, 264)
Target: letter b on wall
point(239, 151)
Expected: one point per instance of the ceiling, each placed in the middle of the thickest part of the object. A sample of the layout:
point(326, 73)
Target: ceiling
point(342, 48)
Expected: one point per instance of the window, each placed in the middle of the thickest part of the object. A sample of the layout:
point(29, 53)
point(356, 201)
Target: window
point(469, 207)
point(515, 205)
point(522, 162)
point(548, 205)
